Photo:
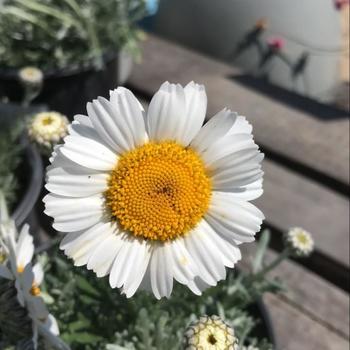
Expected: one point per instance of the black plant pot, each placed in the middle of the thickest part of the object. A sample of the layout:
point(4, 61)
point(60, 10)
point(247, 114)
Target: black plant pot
point(30, 175)
point(67, 91)
point(264, 329)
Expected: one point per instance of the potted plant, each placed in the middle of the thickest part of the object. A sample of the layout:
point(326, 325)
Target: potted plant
point(83, 47)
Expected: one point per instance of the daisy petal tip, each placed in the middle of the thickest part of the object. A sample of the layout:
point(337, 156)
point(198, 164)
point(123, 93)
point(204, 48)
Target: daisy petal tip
point(102, 100)
point(89, 105)
point(165, 87)
point(112, 282)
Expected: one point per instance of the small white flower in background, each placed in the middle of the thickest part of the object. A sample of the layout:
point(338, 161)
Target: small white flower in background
point(152, 198)
point(300, 241)
point(31, 76)
point(47, 129)
point(210, 333)
point(17, 267)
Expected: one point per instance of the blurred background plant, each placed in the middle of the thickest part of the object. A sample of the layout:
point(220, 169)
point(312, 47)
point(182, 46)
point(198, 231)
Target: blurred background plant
point(10, 157)
point(55, 34)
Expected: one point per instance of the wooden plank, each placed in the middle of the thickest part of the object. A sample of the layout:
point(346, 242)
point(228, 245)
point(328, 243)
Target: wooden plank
point(322, 145)
point(290, 199)
point(163, 60)
point(296, 331)
point(297, 135)
point(309, 293)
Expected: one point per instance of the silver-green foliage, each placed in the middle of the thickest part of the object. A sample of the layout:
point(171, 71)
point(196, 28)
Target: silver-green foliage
point(55, 34)
point(93, 316)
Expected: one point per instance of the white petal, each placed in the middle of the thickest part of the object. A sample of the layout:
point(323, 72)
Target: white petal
point(196, 108)
point(35, 330)
point(81, 245)
point(51, 325)
point(241, 126)
point(139, 264)
point(83, 119)
point(103, 256)
point(37, 308)
point(247, 192)
point(73, 214)
point(25, 247)
point(237, 169)
point(213, 130)
point(89, 153)
point(146, 281)
point(238, 158)
point(130, 114)
point(26, 278)
point(161, 271)
point(47, 332)
point(206, 255)
point(226, 146)
point(166, 117)
point(54, 153)
point(233, 219)
point(122, 272)
point(184, 267)
point(20, 292)
point(67, 178)
point(197, 286)
point(38, 272)
point(105, 121)
point(229, 251)
point(82, 127)
point(70, 238)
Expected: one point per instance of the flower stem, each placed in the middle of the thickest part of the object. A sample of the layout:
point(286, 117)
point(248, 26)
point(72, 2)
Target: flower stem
point(284, 255)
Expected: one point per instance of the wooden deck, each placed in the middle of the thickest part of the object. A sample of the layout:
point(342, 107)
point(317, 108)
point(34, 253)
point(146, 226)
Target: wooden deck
point(306, 184)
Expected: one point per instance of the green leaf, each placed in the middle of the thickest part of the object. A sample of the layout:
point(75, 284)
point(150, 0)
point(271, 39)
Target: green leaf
point(262, 247)
point(85, 286)
point(78, 325)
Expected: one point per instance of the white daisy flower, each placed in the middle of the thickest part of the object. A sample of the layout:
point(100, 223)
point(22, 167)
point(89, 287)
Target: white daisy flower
point(31, 76)
point(152, 198)
point(300, 241)
point(210, 333)
point(47, 129)
point(27, 279)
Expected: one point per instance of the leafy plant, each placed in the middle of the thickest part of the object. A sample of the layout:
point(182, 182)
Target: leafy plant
point(55, 34)
point(93, 316)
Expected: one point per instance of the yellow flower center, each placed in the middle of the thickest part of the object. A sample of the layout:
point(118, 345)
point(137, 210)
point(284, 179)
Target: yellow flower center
point(2, 257)
point(47, 120)
point(35, 290)
point(20, 268)
point(159, 191)
point(302, 238)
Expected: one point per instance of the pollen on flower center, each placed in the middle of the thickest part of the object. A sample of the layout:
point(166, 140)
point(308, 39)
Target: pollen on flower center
point(35, 290)
point(159, 191)
point(47, 120)
point(302, 238)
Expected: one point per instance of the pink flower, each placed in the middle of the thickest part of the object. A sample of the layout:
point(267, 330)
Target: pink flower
point(276, 43)
point(339, 4)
